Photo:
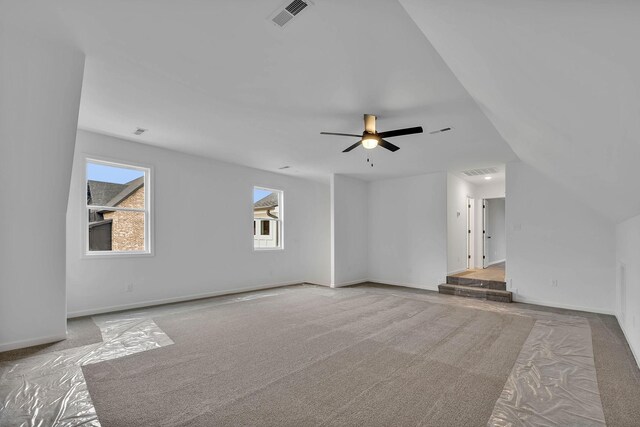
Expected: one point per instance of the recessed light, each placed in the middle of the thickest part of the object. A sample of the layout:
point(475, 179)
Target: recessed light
point(487, 178)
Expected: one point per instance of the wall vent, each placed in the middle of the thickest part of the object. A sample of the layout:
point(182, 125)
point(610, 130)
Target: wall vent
point(478, 172)
point(288, 11)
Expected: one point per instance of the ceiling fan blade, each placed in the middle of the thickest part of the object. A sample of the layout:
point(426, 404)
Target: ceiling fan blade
point(370, 123)
point(352, 147)
point(400, 132)
point(340, 134)
point(389, 146)
point(440, 130)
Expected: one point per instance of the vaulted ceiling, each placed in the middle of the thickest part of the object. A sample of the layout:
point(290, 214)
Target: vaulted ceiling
point(560, 81)
point(219, 79)
point(552, 83)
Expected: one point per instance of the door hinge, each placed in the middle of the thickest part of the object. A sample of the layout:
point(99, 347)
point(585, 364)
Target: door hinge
point(483, 257)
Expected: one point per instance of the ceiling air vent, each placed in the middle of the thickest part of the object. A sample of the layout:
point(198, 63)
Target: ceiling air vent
point(477, 172)
point(139, 131)
point(288, 11)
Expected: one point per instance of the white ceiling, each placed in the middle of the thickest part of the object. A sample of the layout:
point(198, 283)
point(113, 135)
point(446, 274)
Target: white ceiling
point(216, 78)
point(559, 80)
point(480, 180)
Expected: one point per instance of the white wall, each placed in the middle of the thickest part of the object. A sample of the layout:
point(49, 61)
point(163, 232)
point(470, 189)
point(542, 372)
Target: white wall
point(553, 236)
point(40, 84)
point(628, 256)
point(408, 231)
point(490, 190)
point(496, 245)
point(350, 231)
point(457, 192)
point(202, 217)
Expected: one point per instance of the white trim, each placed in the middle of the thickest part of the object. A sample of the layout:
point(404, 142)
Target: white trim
point(636, 355)
point(406, 285)
point(149, 303)
point(352, 282)
point(518, 298)
point(14, 345)
point(496, 262)
point(148, 207)
point(279, 220)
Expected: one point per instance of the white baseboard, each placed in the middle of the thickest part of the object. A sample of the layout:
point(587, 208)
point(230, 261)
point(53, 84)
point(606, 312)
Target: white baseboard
point(496, 262)
point(31, 342)
point(406, 285)
point(352, 282)
point(149, 303)
point(636, 354)
point(518, 298)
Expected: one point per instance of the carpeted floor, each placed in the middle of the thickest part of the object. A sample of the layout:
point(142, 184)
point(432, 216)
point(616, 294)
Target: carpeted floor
point(312, 357)
point(617, 372)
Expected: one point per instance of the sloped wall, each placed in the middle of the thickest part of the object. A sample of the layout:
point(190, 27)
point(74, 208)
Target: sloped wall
point(40, 85)
point(551, 235)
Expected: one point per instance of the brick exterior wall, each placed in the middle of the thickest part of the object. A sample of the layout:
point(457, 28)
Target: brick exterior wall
point(128, 227)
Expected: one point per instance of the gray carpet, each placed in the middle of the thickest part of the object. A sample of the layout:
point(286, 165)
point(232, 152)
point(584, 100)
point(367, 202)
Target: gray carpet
point(80, 331)
point(616, 368)
point(309, 356)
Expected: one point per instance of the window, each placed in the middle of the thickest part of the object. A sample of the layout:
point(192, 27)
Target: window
point(267, 218)
point(117, 208)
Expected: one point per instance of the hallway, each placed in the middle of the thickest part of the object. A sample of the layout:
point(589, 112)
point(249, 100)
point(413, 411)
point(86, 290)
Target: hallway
point(494, 273)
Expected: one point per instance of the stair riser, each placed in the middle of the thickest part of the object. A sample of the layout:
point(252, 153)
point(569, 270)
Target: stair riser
point(488, 284)
point(480, 293)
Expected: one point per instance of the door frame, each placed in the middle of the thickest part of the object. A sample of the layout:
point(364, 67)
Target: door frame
point(484, 233)
point(470, 233)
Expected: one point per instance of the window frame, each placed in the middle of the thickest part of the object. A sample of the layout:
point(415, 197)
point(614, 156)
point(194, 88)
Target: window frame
point(280, 219)
point(148, 208)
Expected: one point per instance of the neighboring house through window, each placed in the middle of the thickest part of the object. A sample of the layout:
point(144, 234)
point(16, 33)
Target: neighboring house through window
point(117, 208)
point(267, 218)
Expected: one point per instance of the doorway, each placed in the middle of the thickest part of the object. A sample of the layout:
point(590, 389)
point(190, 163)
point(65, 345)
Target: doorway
point(494, 250)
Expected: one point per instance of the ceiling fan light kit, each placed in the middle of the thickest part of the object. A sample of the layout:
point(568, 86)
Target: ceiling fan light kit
point(369, 141)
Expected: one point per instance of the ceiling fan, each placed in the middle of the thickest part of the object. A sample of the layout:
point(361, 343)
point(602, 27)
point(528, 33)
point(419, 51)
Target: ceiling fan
point(370, 138)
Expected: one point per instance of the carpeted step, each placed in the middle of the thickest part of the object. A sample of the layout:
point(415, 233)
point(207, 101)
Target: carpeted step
point(476, 292)
point(477, 283)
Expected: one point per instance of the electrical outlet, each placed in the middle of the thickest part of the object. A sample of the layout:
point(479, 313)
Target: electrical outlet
point(554, 283)
point(130, 287)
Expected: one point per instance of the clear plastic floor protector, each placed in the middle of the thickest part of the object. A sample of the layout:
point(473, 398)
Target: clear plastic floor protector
point(50, 390)
point(553, 381)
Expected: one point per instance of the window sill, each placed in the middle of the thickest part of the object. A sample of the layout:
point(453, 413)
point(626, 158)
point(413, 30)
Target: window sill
point(102, 255)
